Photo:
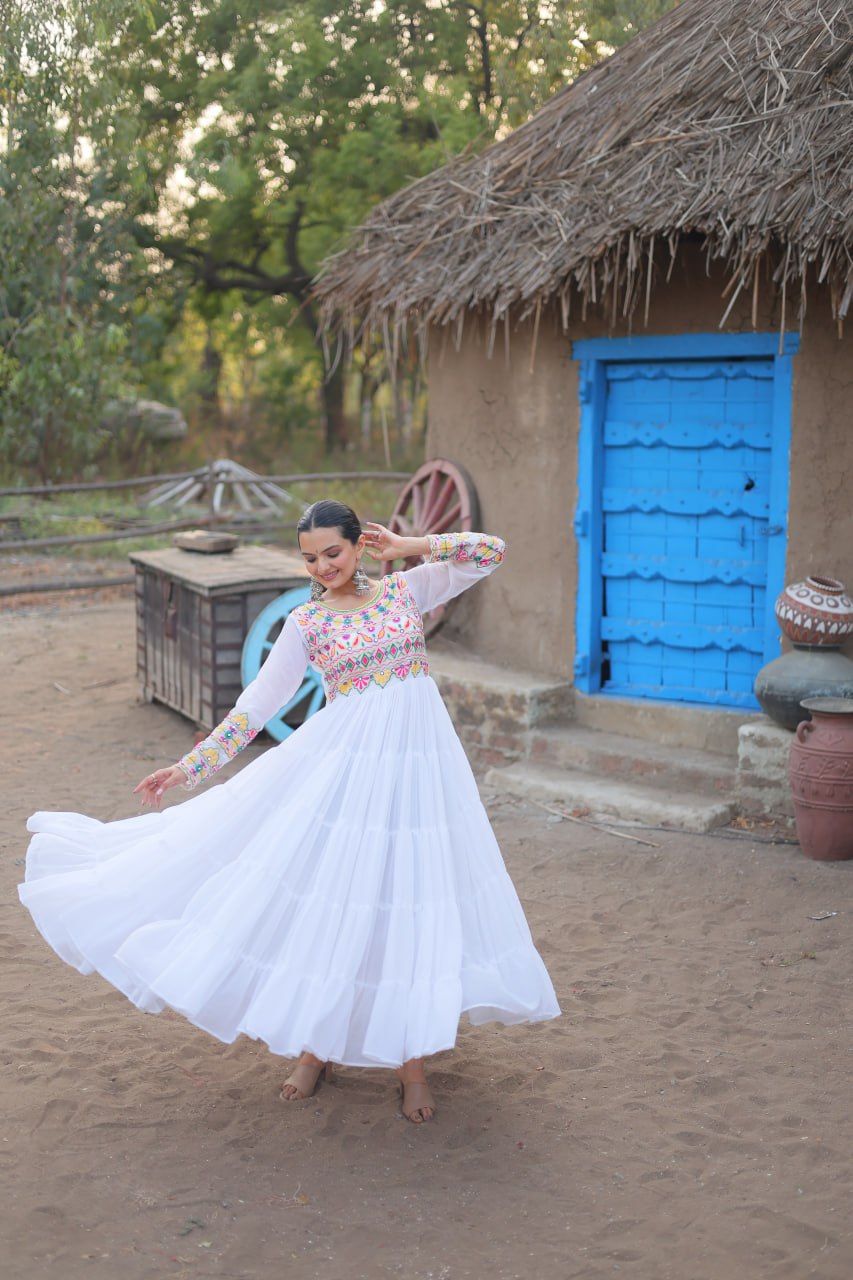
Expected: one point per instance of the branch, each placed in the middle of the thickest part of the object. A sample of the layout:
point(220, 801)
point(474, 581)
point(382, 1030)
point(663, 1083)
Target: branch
point(224, 274)
point(291, 241)
point(522, 36)
point(481, 30)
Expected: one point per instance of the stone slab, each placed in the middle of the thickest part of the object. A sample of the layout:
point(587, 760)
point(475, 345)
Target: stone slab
point(674, 724)
point(609, 797)
point(632, 759)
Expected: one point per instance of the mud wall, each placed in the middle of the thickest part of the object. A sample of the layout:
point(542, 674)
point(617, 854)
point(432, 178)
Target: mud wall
point(513, 423)
point(514, 428)
point(820, 493)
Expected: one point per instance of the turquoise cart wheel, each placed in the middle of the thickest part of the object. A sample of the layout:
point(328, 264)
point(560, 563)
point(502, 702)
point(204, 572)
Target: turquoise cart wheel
point(263, 634)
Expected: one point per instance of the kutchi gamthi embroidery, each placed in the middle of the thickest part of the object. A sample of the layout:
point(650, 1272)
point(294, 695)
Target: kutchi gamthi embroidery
point(373, 645)
point(482, 549)
point(356, 649)
point(223, 744)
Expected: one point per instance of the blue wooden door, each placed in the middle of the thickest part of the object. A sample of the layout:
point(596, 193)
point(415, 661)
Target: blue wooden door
point(683, 521)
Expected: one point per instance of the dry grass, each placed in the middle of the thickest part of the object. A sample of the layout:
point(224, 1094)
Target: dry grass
point(728, 122)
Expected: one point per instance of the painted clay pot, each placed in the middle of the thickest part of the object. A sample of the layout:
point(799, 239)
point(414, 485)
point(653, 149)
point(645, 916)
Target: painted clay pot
point(821, 773)
point(816, 611)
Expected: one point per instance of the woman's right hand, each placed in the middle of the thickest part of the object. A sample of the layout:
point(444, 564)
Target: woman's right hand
point(156, 784)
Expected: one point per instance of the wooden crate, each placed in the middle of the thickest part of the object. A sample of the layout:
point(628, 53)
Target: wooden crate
point(193, 613)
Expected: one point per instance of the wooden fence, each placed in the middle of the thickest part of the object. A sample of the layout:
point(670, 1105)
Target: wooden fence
point(209, 474)
point(91, 486)
point(213, 478)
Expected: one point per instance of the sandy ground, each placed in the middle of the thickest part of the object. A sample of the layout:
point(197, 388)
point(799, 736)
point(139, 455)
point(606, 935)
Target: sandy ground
point(687, 1119)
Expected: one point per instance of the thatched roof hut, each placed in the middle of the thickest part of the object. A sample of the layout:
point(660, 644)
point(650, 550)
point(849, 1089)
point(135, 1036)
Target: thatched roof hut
point(728, 123)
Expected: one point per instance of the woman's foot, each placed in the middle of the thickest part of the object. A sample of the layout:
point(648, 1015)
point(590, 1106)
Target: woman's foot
point(416, 1101)
point(302, 1081)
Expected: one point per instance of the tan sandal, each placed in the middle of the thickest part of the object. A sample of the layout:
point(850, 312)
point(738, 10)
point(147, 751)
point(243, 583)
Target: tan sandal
point(304, 1079)
point(415, 1098)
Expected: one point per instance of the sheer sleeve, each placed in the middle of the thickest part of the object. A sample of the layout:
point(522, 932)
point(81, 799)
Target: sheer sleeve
point(456, 561)
point(275, 684)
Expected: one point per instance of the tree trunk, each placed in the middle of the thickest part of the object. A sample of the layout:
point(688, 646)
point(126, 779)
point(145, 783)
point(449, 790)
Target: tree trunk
point(336, 435)
point(368, 391)
point(403, 409)
point(211, 372)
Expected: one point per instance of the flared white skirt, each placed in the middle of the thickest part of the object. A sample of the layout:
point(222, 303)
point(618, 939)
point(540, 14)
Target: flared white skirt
point(343, 893)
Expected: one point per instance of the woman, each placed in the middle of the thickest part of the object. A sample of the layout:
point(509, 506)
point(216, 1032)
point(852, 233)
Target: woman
point(342, 898)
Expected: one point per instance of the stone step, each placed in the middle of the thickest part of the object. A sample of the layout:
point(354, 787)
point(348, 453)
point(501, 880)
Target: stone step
point(676, 724)
point(610, 797)
point(632, 760)
point(494, 708)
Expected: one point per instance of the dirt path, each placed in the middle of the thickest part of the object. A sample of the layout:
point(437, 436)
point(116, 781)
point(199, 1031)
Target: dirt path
point(688, 1118)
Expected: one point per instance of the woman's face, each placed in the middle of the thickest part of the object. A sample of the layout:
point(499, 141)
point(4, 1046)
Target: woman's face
point(330, 557)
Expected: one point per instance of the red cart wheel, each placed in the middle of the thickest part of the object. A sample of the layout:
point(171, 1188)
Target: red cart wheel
point(439, 498)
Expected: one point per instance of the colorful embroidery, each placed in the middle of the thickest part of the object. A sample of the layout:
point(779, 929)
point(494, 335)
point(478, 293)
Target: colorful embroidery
point(480, 548)
point(223, 744)
point(372, 645)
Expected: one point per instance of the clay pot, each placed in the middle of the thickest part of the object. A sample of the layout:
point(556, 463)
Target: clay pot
point(804, 672)
point(817, 611)
point(821, 773)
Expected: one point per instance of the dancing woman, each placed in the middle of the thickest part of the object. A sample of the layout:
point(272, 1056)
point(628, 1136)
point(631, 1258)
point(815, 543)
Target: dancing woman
point(343, 897)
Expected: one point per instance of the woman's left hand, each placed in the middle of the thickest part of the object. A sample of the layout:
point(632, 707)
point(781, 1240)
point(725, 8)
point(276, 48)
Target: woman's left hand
point(382, 544)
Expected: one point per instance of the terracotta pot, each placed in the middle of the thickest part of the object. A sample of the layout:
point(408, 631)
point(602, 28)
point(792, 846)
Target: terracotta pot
point(817, 611)
point(821, 773)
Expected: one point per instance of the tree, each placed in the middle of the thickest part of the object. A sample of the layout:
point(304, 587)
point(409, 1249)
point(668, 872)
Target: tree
point(284, 122)
point(161, 159)
point(61, 301)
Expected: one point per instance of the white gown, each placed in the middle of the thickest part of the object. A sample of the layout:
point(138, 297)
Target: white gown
point(344, 893)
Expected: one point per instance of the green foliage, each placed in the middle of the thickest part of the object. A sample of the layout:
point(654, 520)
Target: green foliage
point(62, 328)
point(285, 123)
point(172, 175)
point(612, 23)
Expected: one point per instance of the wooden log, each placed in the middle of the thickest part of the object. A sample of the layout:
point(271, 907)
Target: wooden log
point(65, 584)
point(92, 486)
point(70, 540)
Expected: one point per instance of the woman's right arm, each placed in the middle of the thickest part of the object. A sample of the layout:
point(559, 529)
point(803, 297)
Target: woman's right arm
point(275, 684)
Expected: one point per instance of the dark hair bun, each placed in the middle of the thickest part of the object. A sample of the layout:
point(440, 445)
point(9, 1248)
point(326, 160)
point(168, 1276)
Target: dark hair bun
point(327, 514)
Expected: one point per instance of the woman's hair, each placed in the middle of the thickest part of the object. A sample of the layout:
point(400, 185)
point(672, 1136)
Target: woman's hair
point(328, 514)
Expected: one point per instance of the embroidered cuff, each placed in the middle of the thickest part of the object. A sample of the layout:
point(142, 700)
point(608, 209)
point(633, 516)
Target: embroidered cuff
point(229, 737)
point(477, 548)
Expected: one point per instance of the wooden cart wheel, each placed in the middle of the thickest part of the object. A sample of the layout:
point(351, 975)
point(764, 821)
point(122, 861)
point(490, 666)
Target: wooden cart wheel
point(263, 634)
point(439, 498)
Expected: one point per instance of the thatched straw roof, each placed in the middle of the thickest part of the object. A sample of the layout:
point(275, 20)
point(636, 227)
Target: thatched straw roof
point(728, 121)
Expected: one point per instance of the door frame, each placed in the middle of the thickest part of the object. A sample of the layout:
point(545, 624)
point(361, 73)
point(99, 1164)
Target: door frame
point(594, 355)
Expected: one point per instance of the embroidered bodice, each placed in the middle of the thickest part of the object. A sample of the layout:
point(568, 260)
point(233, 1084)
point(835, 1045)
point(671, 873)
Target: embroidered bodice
point(353, 649)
